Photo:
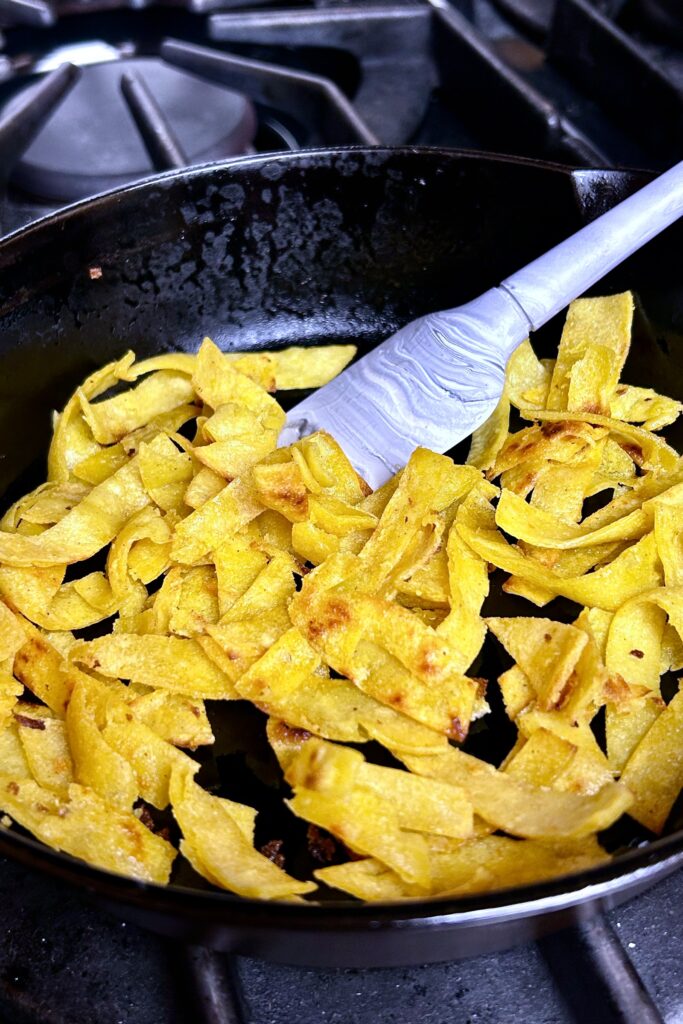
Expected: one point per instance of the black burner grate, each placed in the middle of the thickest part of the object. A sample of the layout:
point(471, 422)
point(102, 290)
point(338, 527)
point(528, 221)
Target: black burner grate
point(580, 81)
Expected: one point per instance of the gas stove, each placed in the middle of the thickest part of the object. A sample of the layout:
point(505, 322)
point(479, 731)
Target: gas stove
point(98, 93)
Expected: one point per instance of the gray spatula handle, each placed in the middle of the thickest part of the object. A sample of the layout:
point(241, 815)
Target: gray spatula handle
point(547, 285)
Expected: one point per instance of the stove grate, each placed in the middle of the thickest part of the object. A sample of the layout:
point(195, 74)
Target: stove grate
point(160, 140)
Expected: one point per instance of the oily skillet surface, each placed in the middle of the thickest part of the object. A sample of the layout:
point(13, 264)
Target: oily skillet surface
point(334, 245)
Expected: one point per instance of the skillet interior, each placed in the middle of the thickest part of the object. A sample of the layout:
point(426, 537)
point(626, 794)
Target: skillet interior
point(325, 246)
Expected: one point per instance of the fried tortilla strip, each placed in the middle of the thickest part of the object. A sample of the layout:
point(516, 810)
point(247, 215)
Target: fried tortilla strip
point(238, 563)
point(297, 367)
point(41, 596)
point(12, 757)
point(130, 593)
point(528, 452)
point(586, 772)
point(92, 524)
point(326, 469)
point(421, 804)
point(668, 525)
point(203, 486)
point(234, 646)
point(175, 718)
point(479, 865)
point(643, 405)
point(280, 684)
point(368, 879)
point(113, 418)
point(274, 587)
point(547, 652)
point(72, 440)
point(208, 526)
point(578, 733)
point(527, 378)
point(218, 382)
point(536, 526)
point(45, 671)
point(468, 582)
point(101, 464)
point(338, 517)
point(429, 484)
point(46, 748)
point(280, 486)
point(281, 670)
point(238, 437)
point(672, 651)
point(12, 633)
point(10, 690)
point(169, 662)
point(197, 602)
point(654, 771)
point(368, 825)
point(429, 586)
point(217, 847)
point(180, 362)
point(96, 764)
point(165, 472)
point(88, 828)
point(646, 449)
point(150, 758)
point(390, 655)
point(634, 641)
point(48, 504)
point(489, 438)
point(255, 620)
point(286, 369)
point(562, 490)
point(522, 810)
point(636, 570)
point(235, 456)
point(593, 348)
point(542, 759)
point(518, 693)
point(617, 469)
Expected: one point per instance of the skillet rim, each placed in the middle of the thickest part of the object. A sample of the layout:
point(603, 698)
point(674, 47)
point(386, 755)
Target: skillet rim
point(625, 871)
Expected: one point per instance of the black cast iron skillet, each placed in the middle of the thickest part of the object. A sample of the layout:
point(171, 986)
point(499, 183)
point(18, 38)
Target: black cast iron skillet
point(311, 247)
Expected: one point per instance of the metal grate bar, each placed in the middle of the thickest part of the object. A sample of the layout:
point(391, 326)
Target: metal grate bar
point(500, 100)
point(18, 129)
point(206, 6)
point(533, 15)
point(217, 989)
point(617, 72)
point(364, 31)
point(163, 147)
point(317, 99)
point(595, 975)
point(36, 13)
point(391, 44)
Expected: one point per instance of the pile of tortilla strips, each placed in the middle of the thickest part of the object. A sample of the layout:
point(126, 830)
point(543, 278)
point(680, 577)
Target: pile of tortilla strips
point(225, 568)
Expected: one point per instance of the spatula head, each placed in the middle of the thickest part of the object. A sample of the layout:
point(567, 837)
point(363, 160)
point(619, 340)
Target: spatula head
point(431, 384)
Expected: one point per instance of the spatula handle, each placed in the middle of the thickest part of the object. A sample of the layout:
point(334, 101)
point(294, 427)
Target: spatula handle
point(544, 287)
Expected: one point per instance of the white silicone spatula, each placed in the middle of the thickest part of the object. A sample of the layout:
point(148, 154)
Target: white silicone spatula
point(439, 377)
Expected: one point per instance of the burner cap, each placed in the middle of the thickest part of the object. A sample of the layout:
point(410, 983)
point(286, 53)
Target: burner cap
point(91, 142)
